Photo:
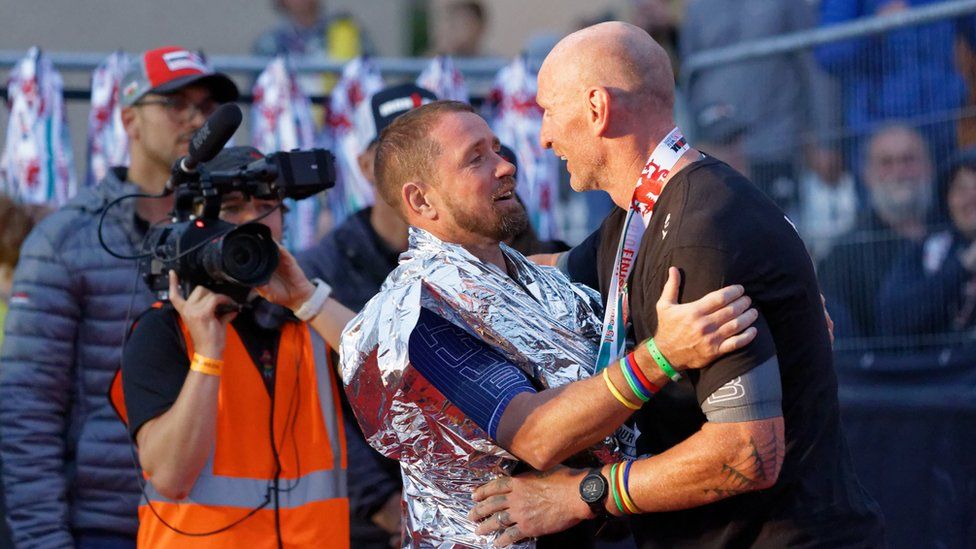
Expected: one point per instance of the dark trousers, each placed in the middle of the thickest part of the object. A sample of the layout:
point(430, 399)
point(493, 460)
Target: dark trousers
point(103, 540)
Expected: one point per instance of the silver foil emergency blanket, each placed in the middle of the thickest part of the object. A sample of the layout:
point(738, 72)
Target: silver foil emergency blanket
point(535, 318)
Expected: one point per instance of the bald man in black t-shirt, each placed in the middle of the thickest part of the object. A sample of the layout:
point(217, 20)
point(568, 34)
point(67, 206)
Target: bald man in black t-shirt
point(749, 450)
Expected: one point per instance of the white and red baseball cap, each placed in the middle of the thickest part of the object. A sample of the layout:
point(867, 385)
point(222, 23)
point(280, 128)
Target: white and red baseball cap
point(167, 69)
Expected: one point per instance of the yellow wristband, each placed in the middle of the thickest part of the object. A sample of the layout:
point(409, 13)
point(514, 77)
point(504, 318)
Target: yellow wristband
point(623, 473)
point(616, 393)
point(204, 365)
point(628, 503)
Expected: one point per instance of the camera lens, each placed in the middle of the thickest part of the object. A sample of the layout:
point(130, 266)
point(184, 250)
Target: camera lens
point(248, 258)
point(246, 255)
point(242, 257)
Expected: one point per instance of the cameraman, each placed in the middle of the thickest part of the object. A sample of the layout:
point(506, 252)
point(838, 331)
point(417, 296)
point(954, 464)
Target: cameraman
point(234, 414)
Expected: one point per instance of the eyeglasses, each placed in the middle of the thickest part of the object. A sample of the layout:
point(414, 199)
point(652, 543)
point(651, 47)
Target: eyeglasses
point(180, 107)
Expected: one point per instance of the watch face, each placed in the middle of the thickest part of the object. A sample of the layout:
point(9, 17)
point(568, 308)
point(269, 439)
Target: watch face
point(593, 488)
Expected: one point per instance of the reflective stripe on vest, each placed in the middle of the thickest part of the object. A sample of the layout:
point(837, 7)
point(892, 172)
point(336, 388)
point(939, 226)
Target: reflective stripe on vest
point(239, 474)
point(215, 490)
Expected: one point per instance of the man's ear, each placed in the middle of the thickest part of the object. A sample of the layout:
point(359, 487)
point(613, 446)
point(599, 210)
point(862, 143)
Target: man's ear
point(367, 162)
point(598, 110)
point(129, 122)
point(416, 201)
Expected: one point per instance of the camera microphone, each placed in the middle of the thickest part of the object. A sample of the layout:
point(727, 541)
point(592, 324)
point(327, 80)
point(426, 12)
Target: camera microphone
point(206, 143)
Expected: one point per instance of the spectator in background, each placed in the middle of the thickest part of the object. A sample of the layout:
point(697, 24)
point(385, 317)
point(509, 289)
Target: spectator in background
point(67, 460)
point(828, 200)
point(932, 288)
point(966, 61)
point(462, 30)
point(662, 20)
point(903, 74)
point(306, 30)
point(899, 178)
point(16, 222)
point(720, 134)
point(771, 96)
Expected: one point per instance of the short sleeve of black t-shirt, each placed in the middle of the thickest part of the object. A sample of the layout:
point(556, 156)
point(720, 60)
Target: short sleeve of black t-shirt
point(154, 366)
point(155, 361)
point(704, 270)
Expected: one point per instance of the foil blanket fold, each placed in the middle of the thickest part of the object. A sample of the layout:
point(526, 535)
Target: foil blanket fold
point(537, 319)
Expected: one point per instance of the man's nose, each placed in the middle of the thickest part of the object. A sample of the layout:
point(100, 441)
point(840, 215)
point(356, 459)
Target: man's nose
point(197, 117)
point(544, 139)
point(504, 169)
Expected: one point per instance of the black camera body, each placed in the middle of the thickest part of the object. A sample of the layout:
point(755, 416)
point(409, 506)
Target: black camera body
point(226, 258)
point(230, 259)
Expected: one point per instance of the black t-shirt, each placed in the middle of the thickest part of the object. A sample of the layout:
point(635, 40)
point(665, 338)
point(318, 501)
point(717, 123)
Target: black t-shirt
point(155, 361)
point(719, 229)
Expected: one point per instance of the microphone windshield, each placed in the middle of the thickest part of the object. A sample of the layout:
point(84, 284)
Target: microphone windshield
point(215, 133)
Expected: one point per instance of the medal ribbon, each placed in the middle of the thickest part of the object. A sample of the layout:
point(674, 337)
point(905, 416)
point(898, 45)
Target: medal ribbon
point(646, 192)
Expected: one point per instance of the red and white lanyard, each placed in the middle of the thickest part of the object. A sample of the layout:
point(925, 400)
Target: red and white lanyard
point(646, 192)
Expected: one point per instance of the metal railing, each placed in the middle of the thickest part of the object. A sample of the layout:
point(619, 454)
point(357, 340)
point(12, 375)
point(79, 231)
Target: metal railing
point(859, 281)
point(477, 68)
point(478, 71)
point(860, 28)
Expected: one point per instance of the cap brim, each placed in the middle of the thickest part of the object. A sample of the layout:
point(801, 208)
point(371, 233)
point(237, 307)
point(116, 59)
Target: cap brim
point(222, 88)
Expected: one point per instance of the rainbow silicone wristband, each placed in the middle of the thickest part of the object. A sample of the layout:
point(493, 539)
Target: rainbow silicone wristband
point(616, 392)
point(618, 481)
point(626, 489)
point(635, 386)
point(613, 488)
point(646, 383)
point(661, 361)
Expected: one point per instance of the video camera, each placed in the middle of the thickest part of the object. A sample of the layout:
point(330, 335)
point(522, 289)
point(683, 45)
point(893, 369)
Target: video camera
point(198, 245)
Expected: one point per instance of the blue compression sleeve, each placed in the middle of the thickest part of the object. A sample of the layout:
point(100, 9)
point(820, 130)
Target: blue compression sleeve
point(473, 376)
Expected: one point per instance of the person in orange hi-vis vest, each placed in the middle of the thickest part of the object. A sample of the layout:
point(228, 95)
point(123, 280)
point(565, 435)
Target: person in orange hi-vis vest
point(236, 415)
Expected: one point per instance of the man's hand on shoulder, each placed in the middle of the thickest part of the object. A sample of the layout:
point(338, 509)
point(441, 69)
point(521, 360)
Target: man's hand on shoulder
point(693, 335)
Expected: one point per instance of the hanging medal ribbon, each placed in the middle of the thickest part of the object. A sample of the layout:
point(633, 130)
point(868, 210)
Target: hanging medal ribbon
point(444, 79)
point(281, 120)
point(37, 165)
point(646, 192)
point(108, 144)
point(516, 119)
point(360, 80)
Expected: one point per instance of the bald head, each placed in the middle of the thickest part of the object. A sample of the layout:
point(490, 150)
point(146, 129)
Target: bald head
point(617, 56)
point(607, 94)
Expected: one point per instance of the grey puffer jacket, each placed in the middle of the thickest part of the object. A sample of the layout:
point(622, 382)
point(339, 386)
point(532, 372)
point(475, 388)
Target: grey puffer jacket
point(67, 461)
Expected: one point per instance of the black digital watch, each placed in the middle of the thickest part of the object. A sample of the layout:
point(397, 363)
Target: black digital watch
point(593, 491)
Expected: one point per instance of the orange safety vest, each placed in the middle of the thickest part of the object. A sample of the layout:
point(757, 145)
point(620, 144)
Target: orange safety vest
point(239, 474)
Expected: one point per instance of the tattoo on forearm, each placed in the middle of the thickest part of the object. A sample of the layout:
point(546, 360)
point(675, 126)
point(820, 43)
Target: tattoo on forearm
point(750, 472)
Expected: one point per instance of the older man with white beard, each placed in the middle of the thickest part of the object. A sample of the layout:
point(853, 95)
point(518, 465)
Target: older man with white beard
point(899, 177)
